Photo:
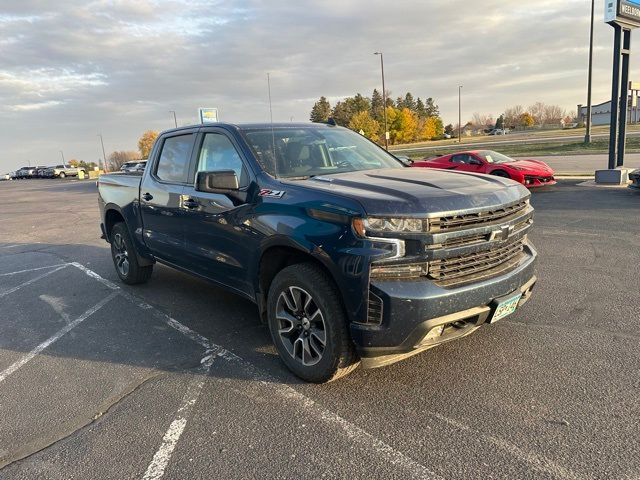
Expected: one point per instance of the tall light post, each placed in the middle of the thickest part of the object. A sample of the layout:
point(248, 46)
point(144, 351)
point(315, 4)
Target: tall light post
point(587, 137)
point(175, 120)
point(384, 102)
point(459, 113)
point(64, 164)
point(104, 155)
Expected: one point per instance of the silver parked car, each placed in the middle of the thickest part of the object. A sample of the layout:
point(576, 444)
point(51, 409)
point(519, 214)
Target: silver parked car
point(137, 166)
point(62, 171)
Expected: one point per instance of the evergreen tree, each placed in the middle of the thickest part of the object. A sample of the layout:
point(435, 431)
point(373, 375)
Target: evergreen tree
point(342, 113)
point(377, 105)
point(431, 109)
point(409, 102)
point(320, 111)
point(420, 109)
point(399, 103)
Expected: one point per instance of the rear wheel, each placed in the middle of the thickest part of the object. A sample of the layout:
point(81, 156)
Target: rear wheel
point(308, 324)
point(125, 259)
point(500, 173)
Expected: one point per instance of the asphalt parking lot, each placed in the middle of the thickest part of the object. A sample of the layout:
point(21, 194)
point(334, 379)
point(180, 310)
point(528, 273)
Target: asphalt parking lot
point(178, 379)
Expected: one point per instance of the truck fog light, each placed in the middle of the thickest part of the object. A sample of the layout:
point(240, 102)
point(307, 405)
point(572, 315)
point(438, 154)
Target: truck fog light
point(435, 332)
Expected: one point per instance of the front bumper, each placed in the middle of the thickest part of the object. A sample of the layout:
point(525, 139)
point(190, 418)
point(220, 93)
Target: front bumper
point(533, 181)
point(412, 308)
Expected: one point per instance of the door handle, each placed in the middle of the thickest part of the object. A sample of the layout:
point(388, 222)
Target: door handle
point(190, 203)
point(147, 197)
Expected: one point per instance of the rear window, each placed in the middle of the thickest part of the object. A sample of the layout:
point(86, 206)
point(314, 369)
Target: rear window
point(173, 165)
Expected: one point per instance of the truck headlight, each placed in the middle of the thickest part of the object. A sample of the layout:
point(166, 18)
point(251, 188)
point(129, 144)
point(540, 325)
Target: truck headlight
point(369, 227)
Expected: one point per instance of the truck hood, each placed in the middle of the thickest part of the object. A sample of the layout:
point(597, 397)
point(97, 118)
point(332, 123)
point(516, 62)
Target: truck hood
point(413, 191)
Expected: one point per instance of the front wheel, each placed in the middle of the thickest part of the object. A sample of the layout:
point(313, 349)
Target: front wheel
point(308, 324)
point(125, 259)
point(62, 175)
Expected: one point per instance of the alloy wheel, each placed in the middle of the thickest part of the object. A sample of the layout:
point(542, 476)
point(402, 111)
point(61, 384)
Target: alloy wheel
point(121, 255)
point(301, 326)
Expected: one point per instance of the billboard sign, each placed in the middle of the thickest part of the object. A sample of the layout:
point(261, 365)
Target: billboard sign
point(208, 115)
point(624, 12)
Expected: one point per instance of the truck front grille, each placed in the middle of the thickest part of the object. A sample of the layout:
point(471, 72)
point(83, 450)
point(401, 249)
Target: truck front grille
point(456, 271)
point(471, 220)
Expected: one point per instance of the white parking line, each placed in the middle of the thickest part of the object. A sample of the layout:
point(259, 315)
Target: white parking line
point(33, 269)
point(385, 451)
point(29, 282)
point(163, 454)
point(156, 468)
point(66, 329)
point(536, 462)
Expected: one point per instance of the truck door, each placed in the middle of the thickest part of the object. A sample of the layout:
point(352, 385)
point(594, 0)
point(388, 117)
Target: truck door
point(161, 195)
point(219, 242)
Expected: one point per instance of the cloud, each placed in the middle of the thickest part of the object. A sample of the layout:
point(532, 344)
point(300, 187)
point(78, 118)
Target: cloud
point(70, 69)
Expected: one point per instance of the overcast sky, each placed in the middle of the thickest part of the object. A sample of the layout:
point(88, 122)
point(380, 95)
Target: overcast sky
point(72, 69)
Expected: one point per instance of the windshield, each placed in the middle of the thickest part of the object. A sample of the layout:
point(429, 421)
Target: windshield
point(494, 157)
point(307, 152)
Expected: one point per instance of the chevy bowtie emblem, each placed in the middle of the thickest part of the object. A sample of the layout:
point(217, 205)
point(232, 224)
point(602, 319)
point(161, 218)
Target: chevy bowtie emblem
point(503, 234)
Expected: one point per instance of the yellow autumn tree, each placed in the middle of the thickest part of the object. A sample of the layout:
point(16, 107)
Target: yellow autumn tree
point(145, 143)
point(403, 125)
point(362, 122)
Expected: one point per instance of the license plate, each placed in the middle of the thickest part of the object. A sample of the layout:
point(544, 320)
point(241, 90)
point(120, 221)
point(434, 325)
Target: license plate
point(506, 308)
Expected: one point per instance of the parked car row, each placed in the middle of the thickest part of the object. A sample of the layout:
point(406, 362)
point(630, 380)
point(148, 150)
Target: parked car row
point(57, 171)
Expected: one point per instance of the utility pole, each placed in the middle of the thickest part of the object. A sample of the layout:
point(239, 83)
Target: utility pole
point(459, 113)
point(384, 102)
point(175, 120)
point(104, 155)
point(587, 137)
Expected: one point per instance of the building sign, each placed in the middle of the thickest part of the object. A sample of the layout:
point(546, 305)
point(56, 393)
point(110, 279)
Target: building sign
point(625, 12)
point(208, 115)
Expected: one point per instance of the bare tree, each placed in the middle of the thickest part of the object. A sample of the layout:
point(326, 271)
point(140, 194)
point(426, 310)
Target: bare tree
point(512, 115)
point(482, 121)
point(116, 159)
point(537, 111)
point(553, 114)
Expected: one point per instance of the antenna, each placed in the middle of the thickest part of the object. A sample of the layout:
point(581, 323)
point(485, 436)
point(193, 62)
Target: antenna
point(273, 136)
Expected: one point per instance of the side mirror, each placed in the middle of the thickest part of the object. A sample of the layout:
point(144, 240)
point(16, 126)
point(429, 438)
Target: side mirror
point(406, 161)
point(221, 181)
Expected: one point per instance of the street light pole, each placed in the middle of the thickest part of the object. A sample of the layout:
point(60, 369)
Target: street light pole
point(104, 155)
point(587, 137)
point(384, 102)
point(459, 113)
point(175, 120)
point(64, 164)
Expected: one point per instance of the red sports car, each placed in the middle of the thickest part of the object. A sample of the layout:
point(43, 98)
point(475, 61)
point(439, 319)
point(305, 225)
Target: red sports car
point(530, 173)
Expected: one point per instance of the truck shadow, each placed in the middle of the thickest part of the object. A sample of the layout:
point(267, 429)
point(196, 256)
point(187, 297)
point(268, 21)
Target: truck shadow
point(123, 332)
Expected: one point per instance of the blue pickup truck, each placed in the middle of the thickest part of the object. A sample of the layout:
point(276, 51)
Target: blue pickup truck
point(351, 258)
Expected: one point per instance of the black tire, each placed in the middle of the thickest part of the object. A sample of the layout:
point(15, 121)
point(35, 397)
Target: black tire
point(62, 175)
point(290, 330)
point(500, 173)
point(124, 257)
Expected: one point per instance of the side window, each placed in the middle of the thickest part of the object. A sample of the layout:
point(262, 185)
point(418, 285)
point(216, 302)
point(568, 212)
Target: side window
point(459, 159)
point(173, 165)
point(218, 153)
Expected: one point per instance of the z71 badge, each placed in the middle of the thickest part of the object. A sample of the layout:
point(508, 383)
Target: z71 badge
point(265, 192)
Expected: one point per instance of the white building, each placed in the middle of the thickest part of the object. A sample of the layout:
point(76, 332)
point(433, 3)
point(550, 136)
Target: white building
point(601, 113)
